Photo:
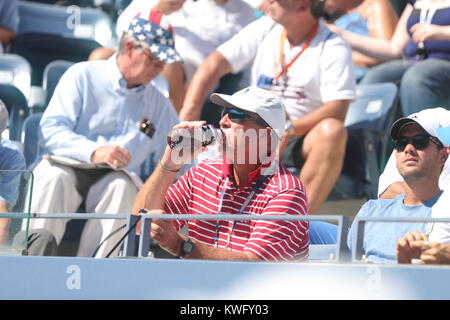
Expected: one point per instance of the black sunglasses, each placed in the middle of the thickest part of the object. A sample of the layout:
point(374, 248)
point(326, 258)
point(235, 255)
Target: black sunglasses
point(419, 142)
point(237, 115)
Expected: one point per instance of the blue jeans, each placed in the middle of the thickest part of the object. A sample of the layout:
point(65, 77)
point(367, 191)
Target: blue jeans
point(422, 85)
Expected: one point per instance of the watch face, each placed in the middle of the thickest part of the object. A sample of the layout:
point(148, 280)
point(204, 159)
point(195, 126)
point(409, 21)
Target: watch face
point(188, 246)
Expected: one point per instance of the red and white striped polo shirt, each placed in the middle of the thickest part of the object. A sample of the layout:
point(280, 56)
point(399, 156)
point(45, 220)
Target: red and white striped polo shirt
point(199, 192)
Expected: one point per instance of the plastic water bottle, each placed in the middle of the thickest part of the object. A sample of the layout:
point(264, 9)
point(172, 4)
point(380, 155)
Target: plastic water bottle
point(194, 137)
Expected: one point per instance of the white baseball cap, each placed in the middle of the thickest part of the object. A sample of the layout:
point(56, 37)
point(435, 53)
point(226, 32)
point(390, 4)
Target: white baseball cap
point(444, 134)
point(255, 100)
point(4, 116)
point(431, 120)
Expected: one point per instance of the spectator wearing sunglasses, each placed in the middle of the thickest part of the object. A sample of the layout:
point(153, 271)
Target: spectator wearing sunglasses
point(391, 182)
point(432, 247)
point(292, 52)
point(237, 183)
point(420, 156)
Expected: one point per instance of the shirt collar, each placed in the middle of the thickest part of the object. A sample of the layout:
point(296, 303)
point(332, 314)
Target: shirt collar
point(227, 171)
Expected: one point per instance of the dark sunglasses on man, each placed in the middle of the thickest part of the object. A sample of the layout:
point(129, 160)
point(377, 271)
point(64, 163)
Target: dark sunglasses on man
point(238, 115)
point(419, 142)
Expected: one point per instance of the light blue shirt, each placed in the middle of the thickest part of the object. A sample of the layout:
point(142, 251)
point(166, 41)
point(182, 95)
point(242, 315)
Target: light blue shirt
point(380, 237)
point(10, 159)
point(9, 15)
point(91, 107)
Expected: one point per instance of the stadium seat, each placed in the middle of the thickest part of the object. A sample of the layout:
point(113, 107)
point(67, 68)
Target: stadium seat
point(52, 73)
point(16, 70)
point(41, 49)
point(322, 252)
point(30, 141)
point(368, 121)
point(68, 21)
point(17, 106)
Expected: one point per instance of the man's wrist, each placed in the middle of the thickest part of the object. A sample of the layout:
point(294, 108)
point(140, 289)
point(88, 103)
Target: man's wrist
point(166, 168)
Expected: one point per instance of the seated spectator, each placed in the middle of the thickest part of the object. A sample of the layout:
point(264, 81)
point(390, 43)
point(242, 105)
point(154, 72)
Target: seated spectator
point(12, 162)
point(420, 157)
point(391, 183)
point(9, 22)
point(238, 183)
point(105, 112)
point(433, 246)
point(372, 18)
point(199, 28)
point(416, 57)
point(294, 54)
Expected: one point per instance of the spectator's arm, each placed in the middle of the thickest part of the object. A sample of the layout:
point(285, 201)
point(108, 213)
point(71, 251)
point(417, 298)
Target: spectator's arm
point(4, 222)
point(202, 83)
point(6, 35)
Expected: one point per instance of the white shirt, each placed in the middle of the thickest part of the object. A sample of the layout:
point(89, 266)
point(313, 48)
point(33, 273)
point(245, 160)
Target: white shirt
point(199, 26)
point(440, 232)
point(323, 72)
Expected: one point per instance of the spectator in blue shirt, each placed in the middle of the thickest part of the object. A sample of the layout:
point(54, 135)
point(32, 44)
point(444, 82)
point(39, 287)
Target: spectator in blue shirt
point(12, 164)
point(420, 157)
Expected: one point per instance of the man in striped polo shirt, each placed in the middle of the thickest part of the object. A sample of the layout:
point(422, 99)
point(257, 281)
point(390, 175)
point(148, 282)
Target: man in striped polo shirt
point(237, 183)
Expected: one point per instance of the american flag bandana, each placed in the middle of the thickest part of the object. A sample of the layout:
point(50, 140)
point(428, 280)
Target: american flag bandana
point(153, 28)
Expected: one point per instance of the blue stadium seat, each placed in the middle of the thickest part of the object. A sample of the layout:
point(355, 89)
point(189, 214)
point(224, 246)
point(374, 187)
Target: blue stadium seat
point(49, 32)
point(67, 21)
point(30, 141)
point(368, 121)
point(17, 106)
point(16, 70)
point(52, 73)
point(41, 49)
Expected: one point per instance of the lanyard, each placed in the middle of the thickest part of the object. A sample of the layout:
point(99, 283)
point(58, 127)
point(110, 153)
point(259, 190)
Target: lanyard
point(427, 12)
point(285, 68)
point(426, 15)
point(245, 204)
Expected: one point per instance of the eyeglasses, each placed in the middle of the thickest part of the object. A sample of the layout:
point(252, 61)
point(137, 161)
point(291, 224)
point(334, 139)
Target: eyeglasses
point(237, 115)
point(419, 142)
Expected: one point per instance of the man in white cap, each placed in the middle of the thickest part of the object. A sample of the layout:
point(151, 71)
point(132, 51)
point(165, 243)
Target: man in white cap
point(237, 183)
point(434, 245)
point(105, 111)
point(391, 183)
point(420, 157)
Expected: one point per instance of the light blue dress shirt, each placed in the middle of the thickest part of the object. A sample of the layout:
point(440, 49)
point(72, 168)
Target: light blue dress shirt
point(91, 107)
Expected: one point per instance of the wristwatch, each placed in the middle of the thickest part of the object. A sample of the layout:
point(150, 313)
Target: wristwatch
point(187, 246)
